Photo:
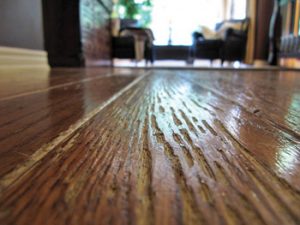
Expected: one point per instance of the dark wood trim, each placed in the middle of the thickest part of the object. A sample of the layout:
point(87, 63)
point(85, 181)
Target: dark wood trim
point(62, 33)
point(263, 20)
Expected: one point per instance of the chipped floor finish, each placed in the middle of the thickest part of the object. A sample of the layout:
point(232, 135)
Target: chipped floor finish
point(174, 147)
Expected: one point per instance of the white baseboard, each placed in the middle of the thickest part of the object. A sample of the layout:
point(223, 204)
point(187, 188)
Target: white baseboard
point(18, 57)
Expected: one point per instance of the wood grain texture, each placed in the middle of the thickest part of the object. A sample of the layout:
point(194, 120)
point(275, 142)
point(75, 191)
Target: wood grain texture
point(173, 147)
point(38, 110)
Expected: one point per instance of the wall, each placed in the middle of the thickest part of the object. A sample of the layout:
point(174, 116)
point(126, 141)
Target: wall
point(21, 24)
point(95, 30)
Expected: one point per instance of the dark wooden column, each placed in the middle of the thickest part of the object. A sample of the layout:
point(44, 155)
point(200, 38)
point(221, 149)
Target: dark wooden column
point(264, 13)
point(62, 33)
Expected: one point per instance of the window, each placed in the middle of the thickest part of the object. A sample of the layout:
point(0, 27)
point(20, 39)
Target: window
point(175, 20)
point(238, 9)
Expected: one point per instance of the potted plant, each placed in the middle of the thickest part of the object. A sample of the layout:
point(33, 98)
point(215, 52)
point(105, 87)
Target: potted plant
point(139, 10)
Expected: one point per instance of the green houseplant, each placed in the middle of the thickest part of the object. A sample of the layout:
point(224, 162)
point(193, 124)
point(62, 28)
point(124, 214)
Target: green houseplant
point(137, 9)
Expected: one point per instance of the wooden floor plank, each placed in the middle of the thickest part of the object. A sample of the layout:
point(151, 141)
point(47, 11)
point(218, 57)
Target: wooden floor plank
point(42, 80)
point(37, 118)
point(174, 147)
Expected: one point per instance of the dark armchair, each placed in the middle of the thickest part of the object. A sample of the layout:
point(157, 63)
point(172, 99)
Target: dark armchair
point(123, 47)
point(231, 47)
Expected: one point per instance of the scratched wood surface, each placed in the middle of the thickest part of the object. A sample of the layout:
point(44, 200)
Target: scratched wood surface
point(37, 105)
point(170, 147)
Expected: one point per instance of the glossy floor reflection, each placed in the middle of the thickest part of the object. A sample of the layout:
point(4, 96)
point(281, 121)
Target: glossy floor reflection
point(101, 146)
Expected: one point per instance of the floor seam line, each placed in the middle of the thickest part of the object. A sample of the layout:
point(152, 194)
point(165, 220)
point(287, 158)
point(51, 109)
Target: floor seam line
point(28, 165)
point(55, 87)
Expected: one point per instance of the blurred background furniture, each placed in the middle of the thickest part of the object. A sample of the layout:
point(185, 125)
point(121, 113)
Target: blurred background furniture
point(229, 45)
point(287, 42)
point(125, 45)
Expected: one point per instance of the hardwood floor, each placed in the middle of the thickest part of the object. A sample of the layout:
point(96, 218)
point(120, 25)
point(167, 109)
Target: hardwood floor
point(102, 146)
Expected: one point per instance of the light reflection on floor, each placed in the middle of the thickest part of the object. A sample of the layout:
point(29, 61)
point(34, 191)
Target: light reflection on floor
point(169, 63)
point(182, 64)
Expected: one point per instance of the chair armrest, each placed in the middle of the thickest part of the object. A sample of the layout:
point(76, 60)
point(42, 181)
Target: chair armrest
point(122, 41)
point(196, 35)
point(232, 34)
